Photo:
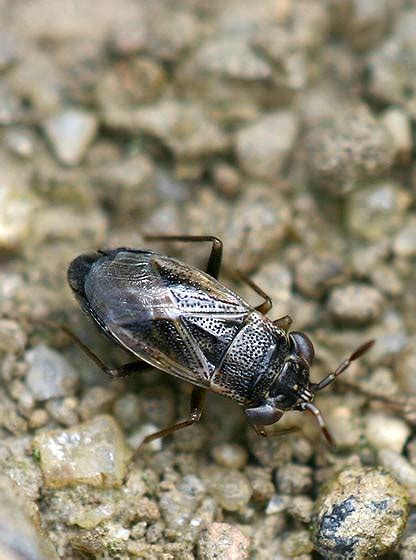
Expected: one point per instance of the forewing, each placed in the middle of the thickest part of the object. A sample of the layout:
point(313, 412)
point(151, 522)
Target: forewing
point(129, 296)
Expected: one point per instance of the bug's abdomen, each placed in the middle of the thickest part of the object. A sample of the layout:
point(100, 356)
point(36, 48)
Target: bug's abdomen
point(252, 360)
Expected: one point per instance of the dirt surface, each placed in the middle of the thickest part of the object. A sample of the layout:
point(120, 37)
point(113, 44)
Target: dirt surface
point(286, 128)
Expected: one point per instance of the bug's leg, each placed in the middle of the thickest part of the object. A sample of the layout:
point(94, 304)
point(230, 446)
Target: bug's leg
point(115, 373)
point(260, 431)
point(342, 366)
point(215, 258)
point(195, 414)
point(267, 303)
point(284, 322)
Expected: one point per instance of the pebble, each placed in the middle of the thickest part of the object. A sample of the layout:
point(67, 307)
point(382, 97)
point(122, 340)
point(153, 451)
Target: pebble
point(408, 548)
point(21, 536)
point(374, 212)
point(355, 304)
point(227, 179)
point(264, 147)
point(261, 483)
point(182, 126)
point(70, 134)
point(17, 207)
point(316, 274)
point(402, 470)
point(301, 508)
point(353, 511)
point(180, 503)
point(230, 455)
point(348, 149)
point(222, 540)
point(50, 375)
point(404, 244)
point(127, 410)
point(398, 123)
point(344, 417)
point(386, 432)
point(406, 366)
point(294, 479)
point(232, 57)
point(391, 67)
point(127, 184)
point(229, 487)
point(63, 411)
point(257, 225)
point(12, 337)
point(296, 543)
point(97, 400)
point(92, 453)
point(21, 142)
point(370, 20)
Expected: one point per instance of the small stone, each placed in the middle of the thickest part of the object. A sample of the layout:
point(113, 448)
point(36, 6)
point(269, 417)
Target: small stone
point(97, 400)
point(137, 437)
point(50, 375)
point(360, 514)
point(21, 537)
point(127, 410)
point(386, 432)
point(406, 366)
point(391, 67)
point(20, 141)
point(277, 504)
point(355, 304)
point(376, 211)
point(315, 274)
point(296, 543)
point(38, 418)
point(230, 488)
point(222, 540)
point(12, 336)
point(344, 418)
point(230, 455)
point(261, 482)
point(232, 57)
point(294, 479)
point(301, 508)
point(183, 127)
point(179, 504)
point(398, 123)
point(402, 470)
point(17, 208)
point(227, 179)
point(348, 149)
point(263, 148)
point(408, 548)
point(90, 518)
point(370, 20)
point(127, 185)
point(63, 411)
point(259, 222)
point(70, 134)
point(405, 241)
point(92, 453)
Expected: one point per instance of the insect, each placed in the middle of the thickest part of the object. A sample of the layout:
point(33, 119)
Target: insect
point(181, 320)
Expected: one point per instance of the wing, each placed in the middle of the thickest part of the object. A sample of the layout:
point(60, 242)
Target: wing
point(171, 315)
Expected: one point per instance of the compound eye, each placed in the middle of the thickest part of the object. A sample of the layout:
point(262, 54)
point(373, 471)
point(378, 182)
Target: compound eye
point(302, 346)
point(263, 415)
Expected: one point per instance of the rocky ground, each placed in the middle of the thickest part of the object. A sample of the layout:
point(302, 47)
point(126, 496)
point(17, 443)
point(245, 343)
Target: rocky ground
point(284, 127)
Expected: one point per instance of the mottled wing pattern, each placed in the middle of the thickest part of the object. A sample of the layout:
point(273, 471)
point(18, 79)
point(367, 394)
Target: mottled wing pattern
point(161, 310)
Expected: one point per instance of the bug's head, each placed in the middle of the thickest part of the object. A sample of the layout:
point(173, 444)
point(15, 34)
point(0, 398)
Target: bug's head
point(293, 390)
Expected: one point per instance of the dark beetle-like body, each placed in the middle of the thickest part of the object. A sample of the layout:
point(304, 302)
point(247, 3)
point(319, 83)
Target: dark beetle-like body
point(183, 321)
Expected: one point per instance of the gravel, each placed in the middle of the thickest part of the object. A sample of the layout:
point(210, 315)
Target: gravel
point(284, 128)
